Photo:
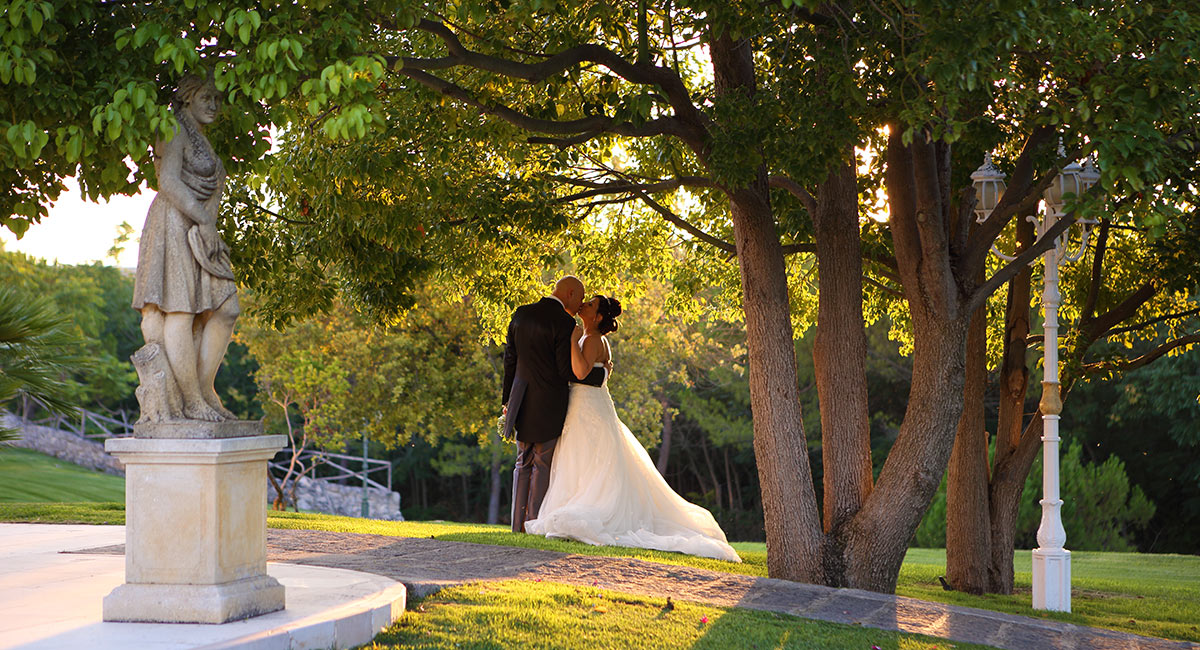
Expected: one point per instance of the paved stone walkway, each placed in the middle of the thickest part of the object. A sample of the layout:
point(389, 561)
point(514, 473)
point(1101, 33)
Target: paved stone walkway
point(427, 565)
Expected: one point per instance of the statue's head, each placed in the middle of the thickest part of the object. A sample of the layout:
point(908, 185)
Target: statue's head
point(198, 96)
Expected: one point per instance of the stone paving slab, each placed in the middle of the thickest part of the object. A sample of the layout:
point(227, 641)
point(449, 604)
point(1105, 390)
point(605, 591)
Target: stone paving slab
point(426, 565)
point(51, 594)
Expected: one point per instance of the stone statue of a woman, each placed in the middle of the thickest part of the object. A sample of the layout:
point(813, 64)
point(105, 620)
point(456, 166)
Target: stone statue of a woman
point(184, 285)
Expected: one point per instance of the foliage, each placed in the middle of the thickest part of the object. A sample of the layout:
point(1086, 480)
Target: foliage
point(424, 375)
point(1101, 510)
point(932, 531)
point(545, 615)
point(433, 140)
point(1146, 417)
point(36, 351)
point(31, 476)
point(93, 301)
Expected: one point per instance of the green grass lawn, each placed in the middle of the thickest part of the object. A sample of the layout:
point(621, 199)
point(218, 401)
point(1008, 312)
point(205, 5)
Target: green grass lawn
point(1155, 595)
point(524, 614)
point(29, 476)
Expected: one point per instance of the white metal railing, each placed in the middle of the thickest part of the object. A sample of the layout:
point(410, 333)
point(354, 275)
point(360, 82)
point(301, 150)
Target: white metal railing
point(77, 423)
point(340, 463)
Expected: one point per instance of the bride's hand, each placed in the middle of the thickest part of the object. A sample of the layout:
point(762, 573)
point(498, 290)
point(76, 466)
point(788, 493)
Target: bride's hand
point(577, 334)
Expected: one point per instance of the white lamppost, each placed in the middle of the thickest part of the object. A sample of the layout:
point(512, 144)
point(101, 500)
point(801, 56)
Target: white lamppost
point(1051, 562)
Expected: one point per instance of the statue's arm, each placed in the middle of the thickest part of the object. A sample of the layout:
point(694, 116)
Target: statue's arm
point(171, 185)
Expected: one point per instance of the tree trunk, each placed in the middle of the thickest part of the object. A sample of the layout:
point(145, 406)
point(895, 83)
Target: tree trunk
point(712, 472)
point(793, 527)
point(1005, 492)
point(967, 513)
point(728, 481)
point(1012, 459)
point(664, 449)
point(493, 515)
point(873, 544)
point(876, 540)
point(840, 350)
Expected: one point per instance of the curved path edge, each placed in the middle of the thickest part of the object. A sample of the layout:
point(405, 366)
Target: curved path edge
point(427, 565)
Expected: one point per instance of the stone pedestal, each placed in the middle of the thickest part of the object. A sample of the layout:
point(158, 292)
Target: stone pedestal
point(195, 528)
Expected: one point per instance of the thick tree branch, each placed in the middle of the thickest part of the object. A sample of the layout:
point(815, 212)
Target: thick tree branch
point(1099, 327)
point(872, 281)
point(594, 125)
point(677, 94)
point(1150, 356)
point(621, 187)
point(1153, 321)
point(1020, 191)
point(1027, 256)
point(1089, 305)
point(790, 249)
point(679, 222)
point(796, 190)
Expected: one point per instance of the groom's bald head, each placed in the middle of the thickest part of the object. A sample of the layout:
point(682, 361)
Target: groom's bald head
point(569, 290)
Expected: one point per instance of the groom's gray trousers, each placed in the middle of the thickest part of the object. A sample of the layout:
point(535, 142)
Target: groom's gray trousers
point(531, 478)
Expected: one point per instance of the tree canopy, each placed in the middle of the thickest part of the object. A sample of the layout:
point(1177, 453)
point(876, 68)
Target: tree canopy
point(465, 140)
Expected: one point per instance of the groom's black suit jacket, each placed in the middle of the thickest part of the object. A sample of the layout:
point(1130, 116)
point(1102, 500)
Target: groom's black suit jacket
point(537, 370)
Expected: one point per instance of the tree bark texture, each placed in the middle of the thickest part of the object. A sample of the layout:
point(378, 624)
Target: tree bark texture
point(874, 543)
point(980, 536)
point(1004, 496)
point(793, 528)
point(968, 538)
point(840, 350)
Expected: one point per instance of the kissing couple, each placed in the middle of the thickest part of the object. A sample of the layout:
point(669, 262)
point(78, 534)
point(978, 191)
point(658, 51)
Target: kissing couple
point(580, 473)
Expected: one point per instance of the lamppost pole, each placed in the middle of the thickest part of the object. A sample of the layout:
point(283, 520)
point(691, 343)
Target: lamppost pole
point(1051, 562)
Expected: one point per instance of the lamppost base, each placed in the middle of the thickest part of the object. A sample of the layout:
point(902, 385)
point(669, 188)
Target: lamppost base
point(1052, 579)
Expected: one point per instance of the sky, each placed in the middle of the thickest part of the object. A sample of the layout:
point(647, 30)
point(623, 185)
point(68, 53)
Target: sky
point(77, 231)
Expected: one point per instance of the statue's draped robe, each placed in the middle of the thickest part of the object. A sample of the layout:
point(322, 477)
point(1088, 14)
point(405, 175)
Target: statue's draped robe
point(169, 272)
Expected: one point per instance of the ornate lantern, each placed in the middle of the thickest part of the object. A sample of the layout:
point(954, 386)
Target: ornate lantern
point(989, 187)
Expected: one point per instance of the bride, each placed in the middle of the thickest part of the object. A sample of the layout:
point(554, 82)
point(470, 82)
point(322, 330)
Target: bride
point(604, 490)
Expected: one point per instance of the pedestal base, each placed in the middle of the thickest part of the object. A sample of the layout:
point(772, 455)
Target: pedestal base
point(231, 601)
point(195, 527)
point(1052, 580)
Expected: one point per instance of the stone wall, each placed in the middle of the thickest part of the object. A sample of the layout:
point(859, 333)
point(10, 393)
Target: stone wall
point(64, 445)
point(317, 496)
point(335, 499)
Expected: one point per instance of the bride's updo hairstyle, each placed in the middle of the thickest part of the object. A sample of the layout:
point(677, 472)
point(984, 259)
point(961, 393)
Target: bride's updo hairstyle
point(609, 309)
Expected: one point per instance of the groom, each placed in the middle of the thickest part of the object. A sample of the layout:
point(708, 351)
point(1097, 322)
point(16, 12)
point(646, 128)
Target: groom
point(537, 371)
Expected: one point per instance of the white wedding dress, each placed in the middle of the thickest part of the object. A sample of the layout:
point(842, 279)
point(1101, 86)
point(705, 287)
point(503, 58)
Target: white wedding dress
point(604, 490)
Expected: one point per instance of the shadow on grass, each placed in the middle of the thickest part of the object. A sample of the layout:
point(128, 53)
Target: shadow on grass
point(546, 615)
